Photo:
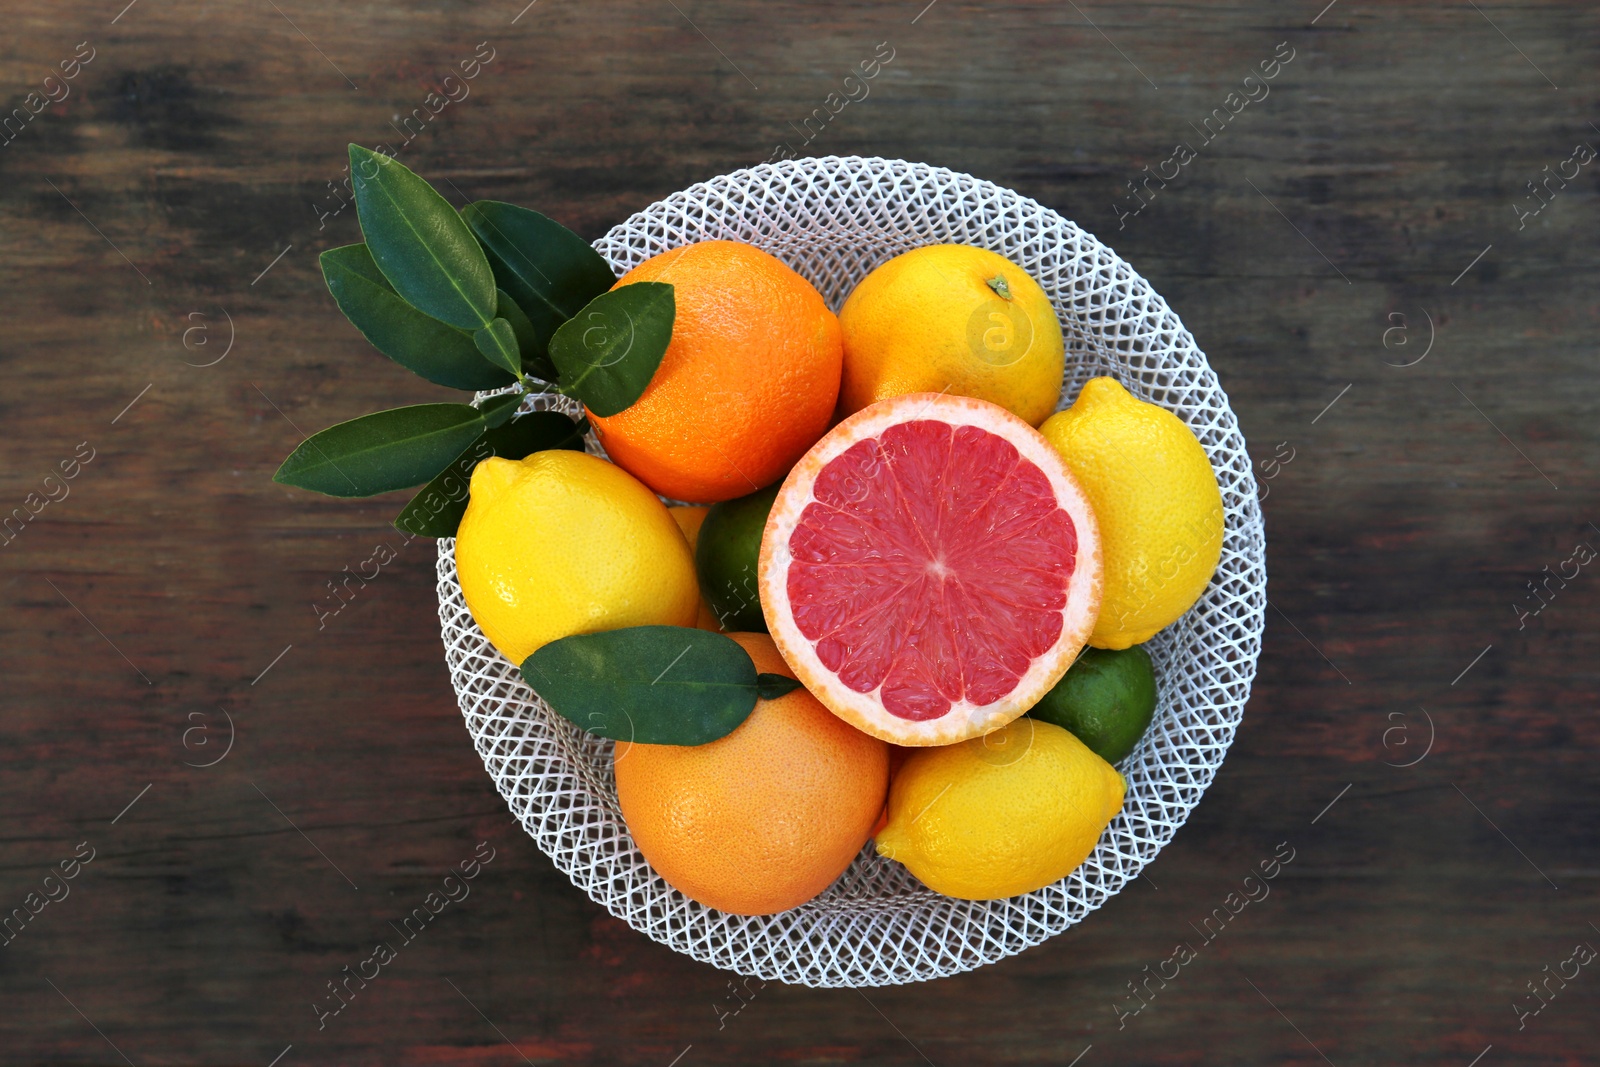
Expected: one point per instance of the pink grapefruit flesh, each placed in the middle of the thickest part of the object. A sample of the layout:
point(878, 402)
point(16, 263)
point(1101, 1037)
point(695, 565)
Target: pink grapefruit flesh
point(930, 569)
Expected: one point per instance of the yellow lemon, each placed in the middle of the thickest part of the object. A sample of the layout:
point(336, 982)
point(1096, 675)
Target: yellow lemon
point(563, 543)
point(1000, 815)
point(1156, 498)
point(951, 319)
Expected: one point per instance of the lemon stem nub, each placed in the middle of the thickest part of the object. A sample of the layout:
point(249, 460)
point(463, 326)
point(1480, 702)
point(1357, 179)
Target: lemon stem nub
point(998, 284)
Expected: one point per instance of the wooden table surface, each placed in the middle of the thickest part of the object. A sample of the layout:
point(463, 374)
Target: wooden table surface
point(1358, 252)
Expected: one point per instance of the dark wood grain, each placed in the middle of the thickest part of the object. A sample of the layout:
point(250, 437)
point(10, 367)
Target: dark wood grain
point(193, 149)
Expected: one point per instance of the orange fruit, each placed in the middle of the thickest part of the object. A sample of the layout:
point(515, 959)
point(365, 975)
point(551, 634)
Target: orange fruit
point(897, 759)
point(761, 820)
point(930, 569)
point(952, 319)
point(690, 518)
point(748, 383)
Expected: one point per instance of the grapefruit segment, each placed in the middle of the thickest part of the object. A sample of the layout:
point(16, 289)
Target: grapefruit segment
point(930, 568)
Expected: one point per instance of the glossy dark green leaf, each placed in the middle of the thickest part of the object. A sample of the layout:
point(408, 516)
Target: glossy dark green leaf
point(773, 686)
point(497, 409)
point(549, 271)
point(386, 450)
point(610, 350)
point(437, 508)
point(535, 357)
point(420, 243)
point(498, 344)
point(658, 685)
point(420, 343)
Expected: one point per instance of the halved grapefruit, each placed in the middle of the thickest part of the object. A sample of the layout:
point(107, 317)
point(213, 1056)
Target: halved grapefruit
point(930, 569)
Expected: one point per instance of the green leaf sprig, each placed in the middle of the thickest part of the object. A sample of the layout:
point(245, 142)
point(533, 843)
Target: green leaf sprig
point(657, 685)
point(492, 296)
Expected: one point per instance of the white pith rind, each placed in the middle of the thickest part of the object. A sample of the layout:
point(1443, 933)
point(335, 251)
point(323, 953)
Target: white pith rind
point(865, 711)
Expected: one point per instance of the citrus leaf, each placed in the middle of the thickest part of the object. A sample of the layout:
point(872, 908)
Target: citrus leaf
point(420, 343)
point(497, 409)
point(437, 508)
point(610, 350)
point(386, 450)
point(420, 243)
point(535, 358)
point(773, 686)
point(498, 343)
point(549, 271)
point(657, 685)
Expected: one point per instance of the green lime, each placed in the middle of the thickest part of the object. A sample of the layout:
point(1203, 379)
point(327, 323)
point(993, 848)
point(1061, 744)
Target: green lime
point(1106, 698)
point(726, 557)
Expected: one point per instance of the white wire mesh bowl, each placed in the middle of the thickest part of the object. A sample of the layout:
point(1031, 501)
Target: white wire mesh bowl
point(833, 219)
